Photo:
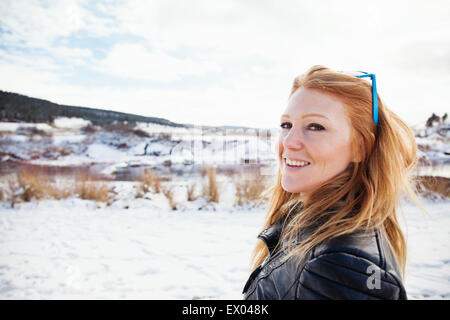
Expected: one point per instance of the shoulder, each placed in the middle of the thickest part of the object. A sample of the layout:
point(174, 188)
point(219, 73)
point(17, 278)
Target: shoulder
point(353, 266)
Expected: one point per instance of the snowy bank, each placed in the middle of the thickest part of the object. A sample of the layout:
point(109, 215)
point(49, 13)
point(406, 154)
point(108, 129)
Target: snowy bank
point(71, 249)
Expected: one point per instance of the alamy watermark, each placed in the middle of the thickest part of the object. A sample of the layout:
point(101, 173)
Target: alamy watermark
point(374, 280)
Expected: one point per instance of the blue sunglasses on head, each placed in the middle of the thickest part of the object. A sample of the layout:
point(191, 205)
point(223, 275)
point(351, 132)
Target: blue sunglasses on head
point(363, 74)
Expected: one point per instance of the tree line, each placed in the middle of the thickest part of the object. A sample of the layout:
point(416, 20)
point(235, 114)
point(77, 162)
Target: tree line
point(17, 107)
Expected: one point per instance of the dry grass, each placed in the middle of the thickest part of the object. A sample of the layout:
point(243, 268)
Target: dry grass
point(88, 189)
point(28, 185)
point(249, 191)
point(210, 190)
point(126, 128)
point(141, 133)
point(6, 133)
point(32, 132)
point(432, 187)
point(119, 127)
point(424, 147)
point(89, 129)
point(34, 185)
point(191, 192)
point(169, 193)
point(55, 152)
point(148, 182)
point(165, 136)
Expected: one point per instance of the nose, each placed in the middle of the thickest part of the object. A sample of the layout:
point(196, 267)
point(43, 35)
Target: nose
point(293, 140)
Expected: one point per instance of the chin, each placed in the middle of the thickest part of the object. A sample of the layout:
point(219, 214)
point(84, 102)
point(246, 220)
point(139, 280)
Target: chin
point(292, 188)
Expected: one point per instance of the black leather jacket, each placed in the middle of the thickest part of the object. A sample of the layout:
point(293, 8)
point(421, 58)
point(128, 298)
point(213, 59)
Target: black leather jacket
point(355, 266)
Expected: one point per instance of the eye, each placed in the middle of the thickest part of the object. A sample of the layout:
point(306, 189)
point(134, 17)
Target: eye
point(285, 125)
point(311, 126)
point(317, 127)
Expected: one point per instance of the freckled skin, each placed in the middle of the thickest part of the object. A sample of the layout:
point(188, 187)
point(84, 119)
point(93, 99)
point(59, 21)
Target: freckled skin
point(328, 150)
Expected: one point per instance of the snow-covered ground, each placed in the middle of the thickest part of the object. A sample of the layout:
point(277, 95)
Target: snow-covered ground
point(66, 143)
point(140, 248)
point(428, 239)
point(71, 249)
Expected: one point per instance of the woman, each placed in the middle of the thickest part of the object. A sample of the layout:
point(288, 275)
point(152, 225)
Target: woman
point(344, 162)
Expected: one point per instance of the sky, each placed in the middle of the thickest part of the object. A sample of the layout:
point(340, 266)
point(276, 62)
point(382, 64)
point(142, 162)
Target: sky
point(222, 62)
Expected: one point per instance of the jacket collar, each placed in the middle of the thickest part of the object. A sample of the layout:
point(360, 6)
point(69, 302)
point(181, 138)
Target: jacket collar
point(271, 235)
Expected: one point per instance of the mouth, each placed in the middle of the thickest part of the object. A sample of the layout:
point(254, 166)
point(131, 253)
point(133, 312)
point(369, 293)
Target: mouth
point(295, 164)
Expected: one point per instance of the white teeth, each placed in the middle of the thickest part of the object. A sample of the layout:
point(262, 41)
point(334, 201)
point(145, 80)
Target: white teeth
point(296, 163)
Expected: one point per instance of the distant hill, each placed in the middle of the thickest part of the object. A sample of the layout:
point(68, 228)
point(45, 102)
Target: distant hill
point(17, 107)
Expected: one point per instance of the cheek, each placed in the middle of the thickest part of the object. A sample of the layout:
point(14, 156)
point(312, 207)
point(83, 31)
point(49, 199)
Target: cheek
point(334, 153)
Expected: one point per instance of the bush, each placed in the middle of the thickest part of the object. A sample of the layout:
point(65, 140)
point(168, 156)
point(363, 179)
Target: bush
point(32, 185)
point(249, 190)
point(165, 136)
point(433, 187)
point(28, 185)
point(141, 133)
point(190, 192)
point(32, 132)
point(148, 182)
point(89, 129)
point(54, 152)
point(168, 192)
point(88, 189)
point(210, 190)
point(120, 127)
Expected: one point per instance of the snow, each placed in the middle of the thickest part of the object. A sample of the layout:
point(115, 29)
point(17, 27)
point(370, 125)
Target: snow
point(76, 249)
point(140, 248)
point(72, 123)
point(101, 153)
point(67, 138)
point(69, 249)
point(180, 145)
point(428, 267)
point(13, 126)
point(17, 138)
point(435, 140)
point(71, 160)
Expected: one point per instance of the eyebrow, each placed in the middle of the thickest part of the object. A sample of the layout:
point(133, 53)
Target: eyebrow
point(306, 115)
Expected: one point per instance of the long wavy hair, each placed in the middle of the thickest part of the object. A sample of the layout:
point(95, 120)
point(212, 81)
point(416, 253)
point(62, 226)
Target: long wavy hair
point(366, 195)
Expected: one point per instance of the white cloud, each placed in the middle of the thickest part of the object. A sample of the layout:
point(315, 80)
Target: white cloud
point(38, 23)
point(34, 23)
point(244, 54)
point(26, 79)
point(64, 52)
point(136, 62)
point(21, 61)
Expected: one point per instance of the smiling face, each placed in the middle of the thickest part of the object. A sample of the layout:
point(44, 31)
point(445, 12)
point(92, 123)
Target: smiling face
point(315, 137)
